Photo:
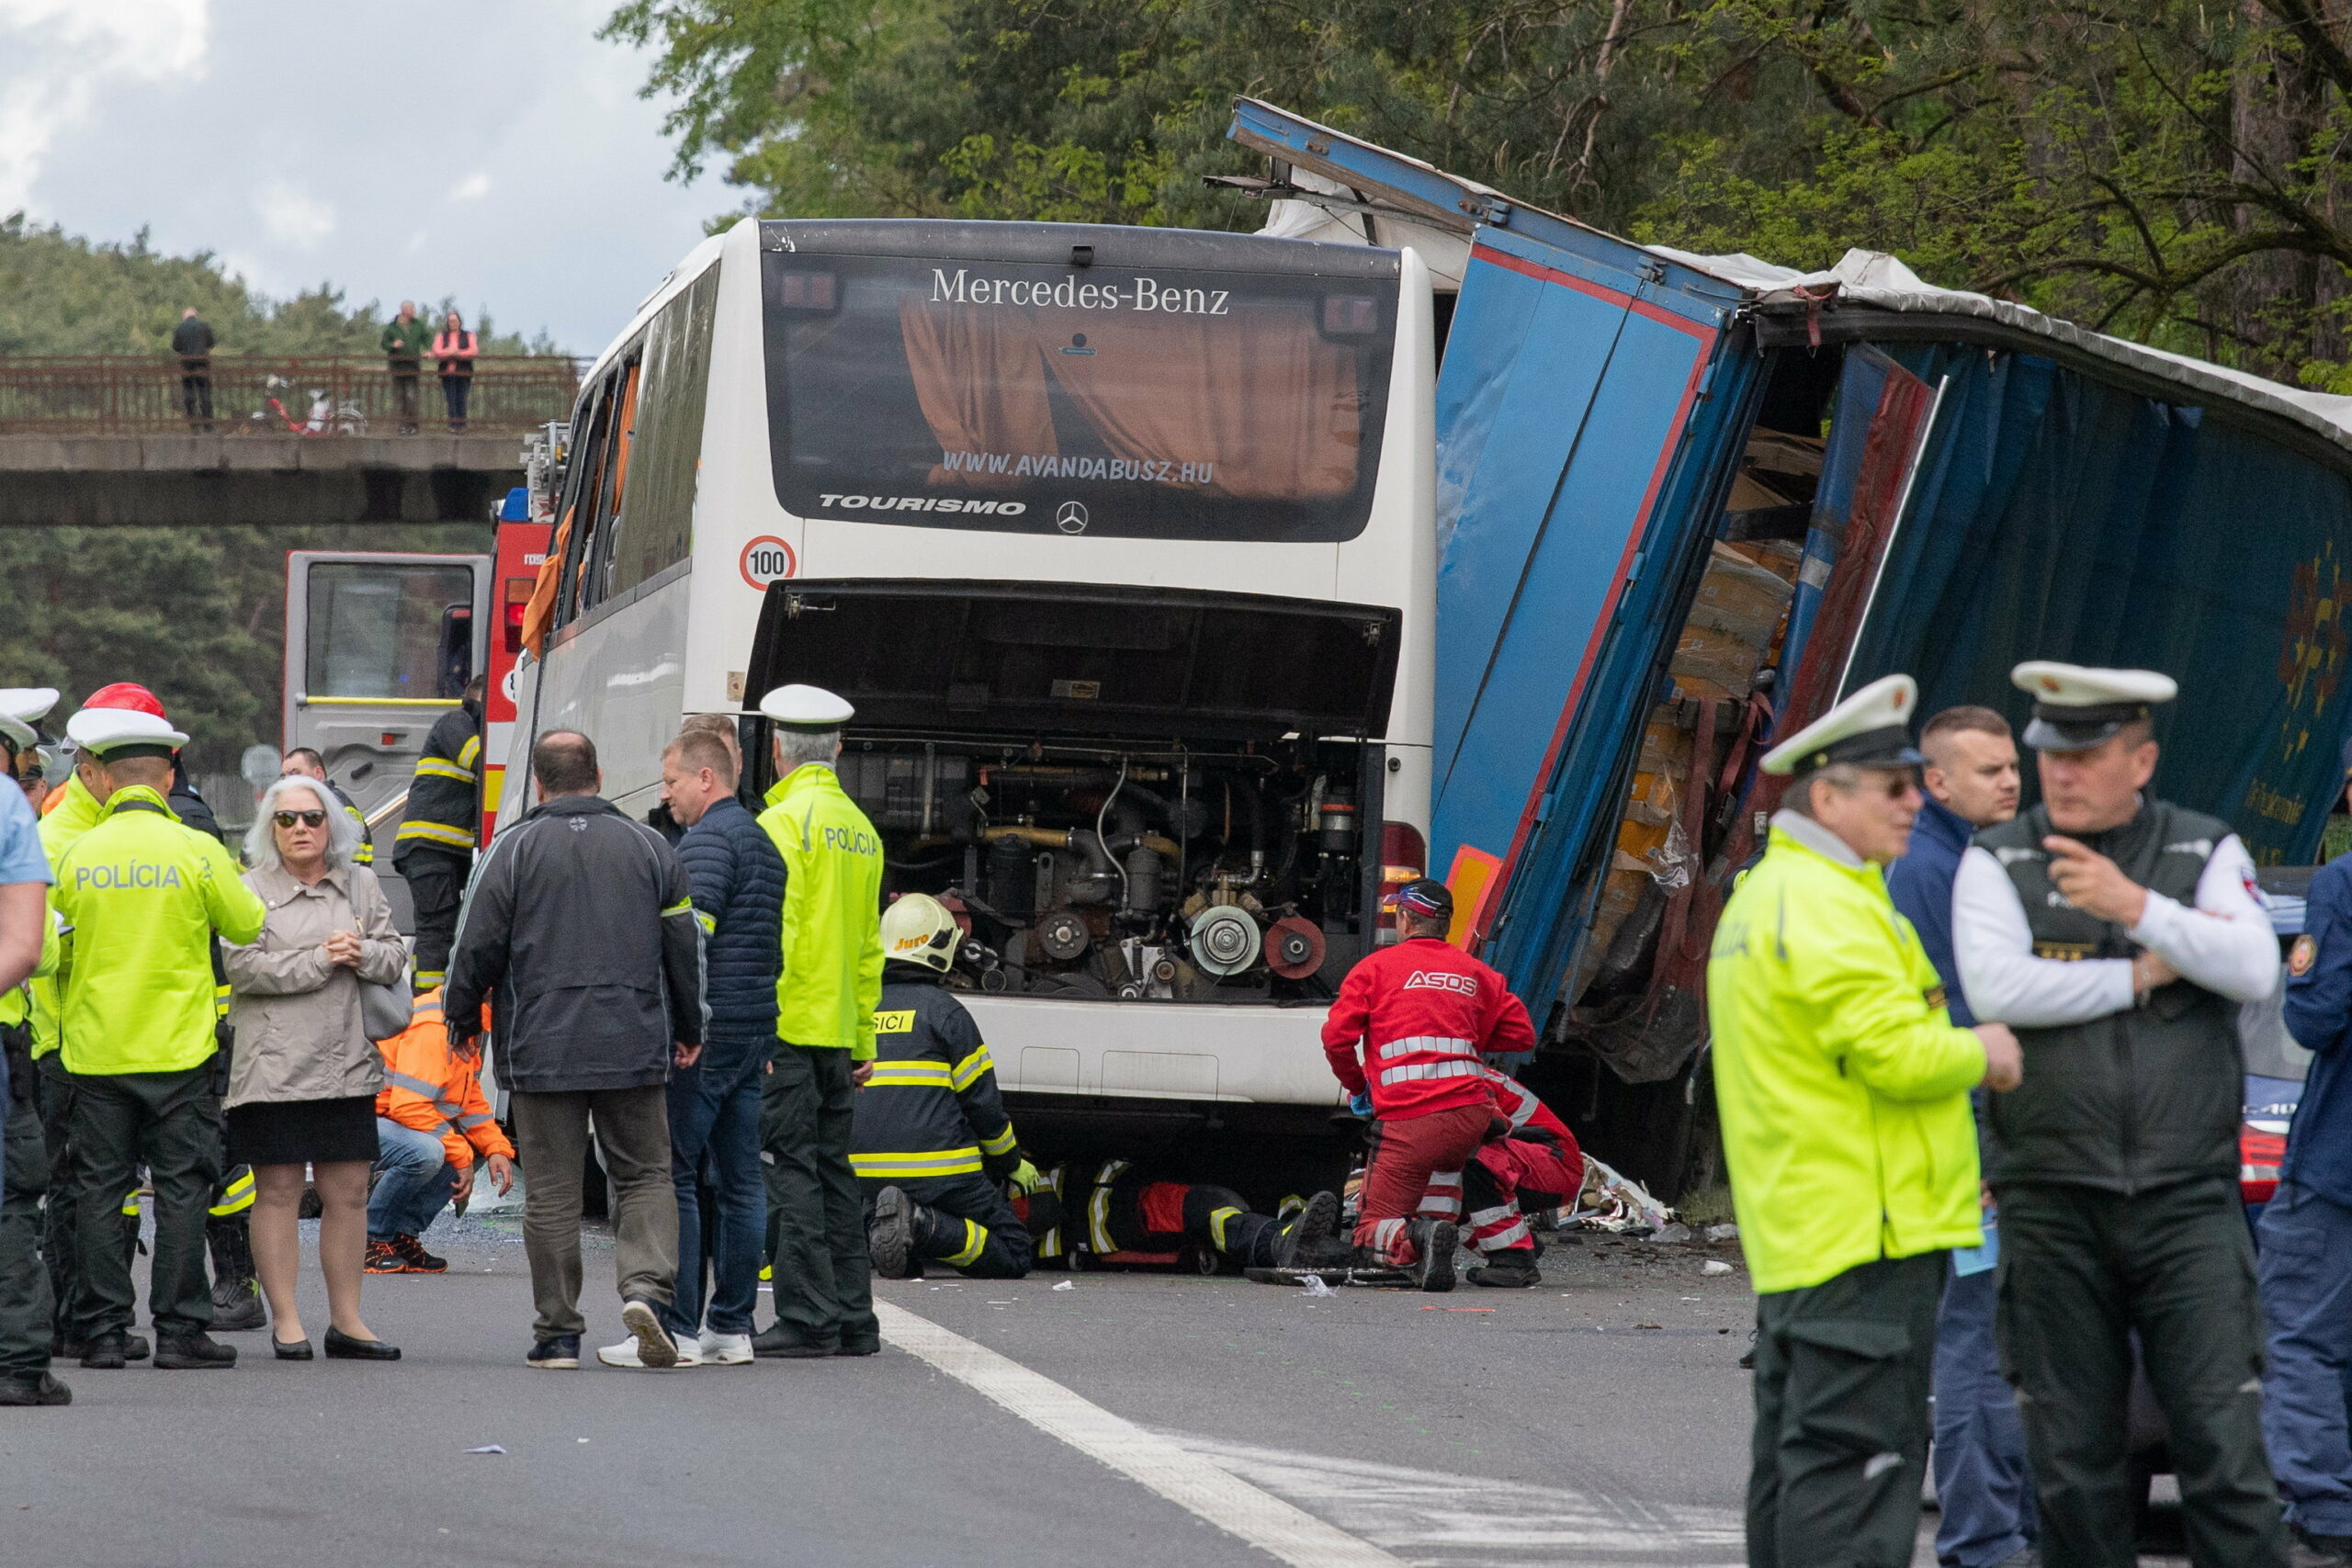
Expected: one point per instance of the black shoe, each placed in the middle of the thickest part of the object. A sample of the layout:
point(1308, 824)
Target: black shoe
point(39, 1387)
point(1747, 1357)
point(1433, 1242)
point(775, 1342)
point(236, 1294)
point(890, 1234)
point(2305, 1550)
point(1307, 1238)
point(237, 1306)
point(342, 1347)
point(107, 1353)
point(561, 1353)
point(198, 1352)
point(412, 1252)
point(858, 1347)
point(134, 1347)
point(1513, 1270)
point(290, 1349)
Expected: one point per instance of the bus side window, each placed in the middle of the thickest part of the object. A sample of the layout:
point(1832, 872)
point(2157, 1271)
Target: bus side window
point(612, 490)
point(655, 529)
point(585, 474)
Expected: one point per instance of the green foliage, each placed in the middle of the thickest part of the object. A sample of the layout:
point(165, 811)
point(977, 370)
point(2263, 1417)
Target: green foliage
point(2171, 169)
point(61, 294)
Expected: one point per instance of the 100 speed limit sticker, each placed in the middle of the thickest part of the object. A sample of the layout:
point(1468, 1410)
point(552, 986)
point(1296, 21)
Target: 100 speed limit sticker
point(766, 559)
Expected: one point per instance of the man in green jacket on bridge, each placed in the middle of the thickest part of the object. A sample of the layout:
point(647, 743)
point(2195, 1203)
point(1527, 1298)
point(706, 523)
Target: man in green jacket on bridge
point(405, 339)
point(1843, 1086)
point(832, 983)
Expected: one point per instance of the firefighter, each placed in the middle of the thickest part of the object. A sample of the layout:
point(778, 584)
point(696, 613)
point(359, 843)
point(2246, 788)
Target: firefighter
point(25, 1297)
point(145, 896)
point(434, 849)
point(930, 1142)
point(2121, 933)
point(1423, 1013)
point(1101, 1207)
point(1843, 1084)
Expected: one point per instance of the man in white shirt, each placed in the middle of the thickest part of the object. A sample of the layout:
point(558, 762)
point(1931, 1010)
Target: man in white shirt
point(2117, 933)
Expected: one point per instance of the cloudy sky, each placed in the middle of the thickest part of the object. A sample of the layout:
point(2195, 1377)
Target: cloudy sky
point(491, 150)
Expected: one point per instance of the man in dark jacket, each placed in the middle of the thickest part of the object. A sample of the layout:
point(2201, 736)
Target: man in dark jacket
point(192, 340)
point(1984, 1487)
point(2306, 1233)
point(579, 931)
point(738, 878)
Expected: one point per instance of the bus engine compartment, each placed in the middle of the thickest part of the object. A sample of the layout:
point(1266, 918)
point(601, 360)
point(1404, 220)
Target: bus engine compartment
point(1117, 801)
point(1173, 875)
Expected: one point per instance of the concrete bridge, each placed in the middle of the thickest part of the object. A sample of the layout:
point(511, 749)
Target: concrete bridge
point(207, 481)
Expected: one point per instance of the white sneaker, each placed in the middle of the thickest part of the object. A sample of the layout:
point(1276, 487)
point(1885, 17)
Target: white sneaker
point(625, 1354)
point(649, 1345)
point(723, 1349)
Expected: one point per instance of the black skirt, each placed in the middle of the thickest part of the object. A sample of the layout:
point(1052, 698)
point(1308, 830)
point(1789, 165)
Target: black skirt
point(295, 1132)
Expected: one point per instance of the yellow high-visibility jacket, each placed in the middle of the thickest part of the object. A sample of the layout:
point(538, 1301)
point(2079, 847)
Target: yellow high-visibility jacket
point(832, 913)
point(16, 1002)
point(1841, 1080)
point(75, 813)
point(144, 895)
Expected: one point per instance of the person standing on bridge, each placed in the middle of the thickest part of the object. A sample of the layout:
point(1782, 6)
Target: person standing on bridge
point(193, 341)
point(434, 849)
point(831, 986)
point(406, 337)
point(144, 895)
point(453, 353)
point(1843, 1087)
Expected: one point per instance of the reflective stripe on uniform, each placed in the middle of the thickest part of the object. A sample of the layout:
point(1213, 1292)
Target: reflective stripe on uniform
point(237, 1197)
point(470, 752)
point(435, 768)
point(415, 1085)
point(946, 1162)
point(709, 924)
point(968, 1071)
point(1098, 1207)
point(1503, 1240)
point(683, 907)
point(1001, 1143)
point(220, 998)
point(1415, 1071)
point(1218, 1220)
point(130, 1203)
point(908, 1074)
point(436, 832)
point(975, 1241)
point(1435, 1044)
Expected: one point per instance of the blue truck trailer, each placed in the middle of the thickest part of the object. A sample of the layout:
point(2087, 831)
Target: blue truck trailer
point(1685, 502)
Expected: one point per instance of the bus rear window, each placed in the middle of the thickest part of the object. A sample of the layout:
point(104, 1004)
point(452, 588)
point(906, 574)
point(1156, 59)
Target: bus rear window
point(1120, 402)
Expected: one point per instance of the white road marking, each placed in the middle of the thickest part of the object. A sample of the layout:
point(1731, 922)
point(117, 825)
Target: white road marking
point(1225, 1500)
point(1437, 1519)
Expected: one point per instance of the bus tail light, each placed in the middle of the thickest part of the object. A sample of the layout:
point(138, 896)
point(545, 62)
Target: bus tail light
point(1404, 856)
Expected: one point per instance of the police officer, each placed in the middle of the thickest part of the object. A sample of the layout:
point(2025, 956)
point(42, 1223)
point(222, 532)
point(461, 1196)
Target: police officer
point(144, 895)
point(931, 1141)
point(826, 1001)
point(26, 1298)
point(433, 848)
point(1843, 1087)
point(2118, 934)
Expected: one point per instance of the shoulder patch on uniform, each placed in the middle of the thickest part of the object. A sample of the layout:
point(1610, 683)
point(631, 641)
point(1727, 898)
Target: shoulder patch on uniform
point(2201, 848)
point(2303, 956)
point(2008, 855)
point(898, 1020)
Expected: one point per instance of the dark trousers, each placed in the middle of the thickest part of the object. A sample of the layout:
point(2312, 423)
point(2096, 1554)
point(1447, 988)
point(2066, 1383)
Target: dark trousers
point(715, 1132)
point(437, 886)
point(1220, 1218)
point(2307, 1295)
point(455, 390)
point(965, 1222)
point(1984, 1486)
point(64, 1199)
point(1840, 1443)
point(404, 378)
point(25, 1299)
point(632, 1131)
point(170, 1121)
point(2081, 1271)
point(815, 1219)
point(196, 394)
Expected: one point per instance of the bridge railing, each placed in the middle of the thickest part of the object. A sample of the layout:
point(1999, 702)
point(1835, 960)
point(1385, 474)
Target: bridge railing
point(252, 394)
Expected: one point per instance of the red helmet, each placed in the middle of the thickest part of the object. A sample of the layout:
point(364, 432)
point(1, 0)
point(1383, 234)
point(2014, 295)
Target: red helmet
point(126, 694)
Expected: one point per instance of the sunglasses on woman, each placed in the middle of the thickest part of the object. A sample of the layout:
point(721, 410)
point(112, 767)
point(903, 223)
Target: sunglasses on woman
point(308, 819)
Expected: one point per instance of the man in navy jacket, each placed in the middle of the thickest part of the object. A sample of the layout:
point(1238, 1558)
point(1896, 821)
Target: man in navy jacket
point(738, 879)
point(2306, 1234)
point(1983, 1486)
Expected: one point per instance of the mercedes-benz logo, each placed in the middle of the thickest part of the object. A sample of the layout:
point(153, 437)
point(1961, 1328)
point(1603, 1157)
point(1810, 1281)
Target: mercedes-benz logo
point(1071, 518)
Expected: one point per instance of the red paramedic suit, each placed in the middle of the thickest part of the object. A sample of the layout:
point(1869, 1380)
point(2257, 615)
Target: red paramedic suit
point(1421, 1013)
point(1538, 1166)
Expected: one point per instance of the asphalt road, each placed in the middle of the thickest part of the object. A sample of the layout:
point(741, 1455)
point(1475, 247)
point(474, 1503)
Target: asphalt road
point(1598, 1419)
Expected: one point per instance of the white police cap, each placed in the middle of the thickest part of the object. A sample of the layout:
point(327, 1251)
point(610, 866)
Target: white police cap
point(19, 706)
point(106, 731)
point(2076, 708)
point(807, 707)
point(1869, 730)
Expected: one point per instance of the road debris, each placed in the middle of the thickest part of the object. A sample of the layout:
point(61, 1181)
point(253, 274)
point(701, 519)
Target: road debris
point(495, 1448)
point(1725, 1232)
point(1716, 1266)
point(1067, 1285)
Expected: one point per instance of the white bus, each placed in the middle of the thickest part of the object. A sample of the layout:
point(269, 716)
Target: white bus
point(1120, 542)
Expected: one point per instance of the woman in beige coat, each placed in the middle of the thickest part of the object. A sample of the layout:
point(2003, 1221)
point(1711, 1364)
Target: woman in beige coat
point(303, 1081)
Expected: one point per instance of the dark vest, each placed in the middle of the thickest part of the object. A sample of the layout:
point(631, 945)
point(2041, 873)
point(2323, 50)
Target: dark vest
point(2139, 1098)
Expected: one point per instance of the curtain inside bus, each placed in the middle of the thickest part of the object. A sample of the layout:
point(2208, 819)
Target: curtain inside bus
point(1258, 404)
point(2056, 517)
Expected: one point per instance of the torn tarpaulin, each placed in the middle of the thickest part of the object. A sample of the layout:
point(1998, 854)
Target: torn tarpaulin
point(1609, 1201)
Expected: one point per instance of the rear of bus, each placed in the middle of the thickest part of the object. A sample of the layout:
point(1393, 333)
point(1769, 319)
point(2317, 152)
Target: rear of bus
point(1120, 542)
